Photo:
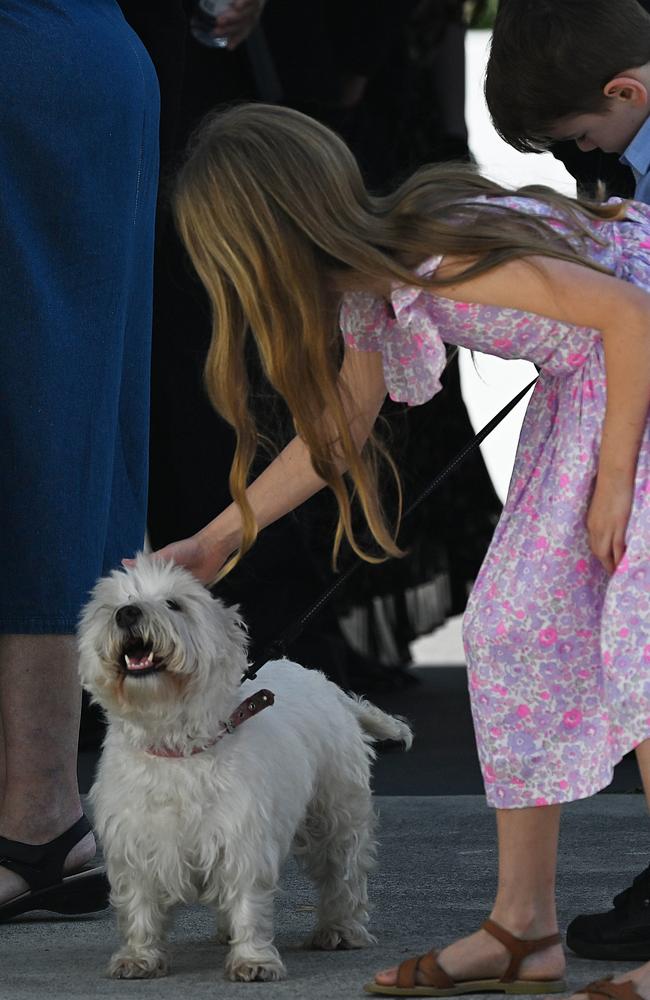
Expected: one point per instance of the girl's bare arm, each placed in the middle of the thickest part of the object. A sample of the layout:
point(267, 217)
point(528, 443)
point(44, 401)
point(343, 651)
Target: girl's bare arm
point(290, 479)
point(576, 294)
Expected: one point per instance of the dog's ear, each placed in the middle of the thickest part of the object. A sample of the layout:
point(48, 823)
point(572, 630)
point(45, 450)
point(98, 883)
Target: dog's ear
point(233, 630)
point(237, 627)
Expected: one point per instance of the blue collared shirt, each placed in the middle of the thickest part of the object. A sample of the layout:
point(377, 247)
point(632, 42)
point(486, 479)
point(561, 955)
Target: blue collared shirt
point(637, 156)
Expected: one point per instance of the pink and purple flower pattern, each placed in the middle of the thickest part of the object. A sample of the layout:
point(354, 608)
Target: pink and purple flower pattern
point(558, 652)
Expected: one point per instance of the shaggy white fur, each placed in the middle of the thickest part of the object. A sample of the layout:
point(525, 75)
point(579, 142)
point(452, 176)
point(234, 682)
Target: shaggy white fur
point(164, 659)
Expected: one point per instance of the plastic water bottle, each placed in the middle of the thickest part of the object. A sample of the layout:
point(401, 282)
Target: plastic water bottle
point(202, 22)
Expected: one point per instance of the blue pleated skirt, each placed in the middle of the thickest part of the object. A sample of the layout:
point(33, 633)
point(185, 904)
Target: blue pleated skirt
point(78, 176)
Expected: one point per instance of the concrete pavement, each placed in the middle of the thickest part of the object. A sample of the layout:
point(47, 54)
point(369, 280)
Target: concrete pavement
point(434, 883)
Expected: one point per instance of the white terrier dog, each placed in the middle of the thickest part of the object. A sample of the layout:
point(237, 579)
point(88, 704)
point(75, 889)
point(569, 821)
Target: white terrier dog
point(199, 797)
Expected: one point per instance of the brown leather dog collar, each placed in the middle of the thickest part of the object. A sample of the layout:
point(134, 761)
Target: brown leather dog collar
point(246, 710)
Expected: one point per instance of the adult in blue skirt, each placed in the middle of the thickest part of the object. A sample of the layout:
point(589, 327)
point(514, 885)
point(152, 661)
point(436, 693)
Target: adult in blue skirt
point(78, 176)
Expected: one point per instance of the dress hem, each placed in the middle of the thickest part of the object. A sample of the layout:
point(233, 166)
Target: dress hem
point(566, 798)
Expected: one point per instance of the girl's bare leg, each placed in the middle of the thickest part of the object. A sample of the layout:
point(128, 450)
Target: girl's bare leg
point(641, 976)
point(524, 905)
point(40, 704)
point(643, 760)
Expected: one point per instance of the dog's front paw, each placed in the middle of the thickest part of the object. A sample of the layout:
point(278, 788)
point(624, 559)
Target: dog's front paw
point(249, 970)
point(339, 939)
point(138, 965)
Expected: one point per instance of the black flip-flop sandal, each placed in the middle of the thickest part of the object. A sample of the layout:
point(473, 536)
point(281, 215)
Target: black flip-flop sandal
point(41, 866)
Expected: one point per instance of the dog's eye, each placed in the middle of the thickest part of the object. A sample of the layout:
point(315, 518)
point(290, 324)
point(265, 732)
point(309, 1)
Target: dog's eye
point(173, 605)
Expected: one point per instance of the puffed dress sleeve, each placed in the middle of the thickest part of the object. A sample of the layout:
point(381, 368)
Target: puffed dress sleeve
point(412, 349)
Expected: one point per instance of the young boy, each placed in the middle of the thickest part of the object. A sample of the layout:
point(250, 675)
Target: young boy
point(580, 70)
point(574, 70)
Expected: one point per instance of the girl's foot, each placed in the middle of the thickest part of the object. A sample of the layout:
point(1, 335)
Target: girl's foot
point(481, 956)
point(640, 977)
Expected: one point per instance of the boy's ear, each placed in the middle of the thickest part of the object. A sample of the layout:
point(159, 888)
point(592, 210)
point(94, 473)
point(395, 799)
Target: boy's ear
point(627, 88)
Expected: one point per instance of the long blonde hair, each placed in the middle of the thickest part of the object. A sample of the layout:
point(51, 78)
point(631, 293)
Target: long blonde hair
point(271, 207)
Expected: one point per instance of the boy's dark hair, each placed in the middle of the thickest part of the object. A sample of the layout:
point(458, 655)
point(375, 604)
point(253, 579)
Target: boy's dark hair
point(551, 59)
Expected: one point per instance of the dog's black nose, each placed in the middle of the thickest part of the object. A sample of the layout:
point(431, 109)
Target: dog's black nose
point(128, 615)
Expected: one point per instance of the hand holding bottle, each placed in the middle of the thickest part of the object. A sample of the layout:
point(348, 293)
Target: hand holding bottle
point(224, 23)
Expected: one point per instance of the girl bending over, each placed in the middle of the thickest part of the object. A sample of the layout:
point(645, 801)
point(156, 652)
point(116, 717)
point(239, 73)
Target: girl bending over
point(349, 297)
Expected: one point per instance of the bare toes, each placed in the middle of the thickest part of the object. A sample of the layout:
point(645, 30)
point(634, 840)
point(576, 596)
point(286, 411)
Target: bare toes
point(388, 977)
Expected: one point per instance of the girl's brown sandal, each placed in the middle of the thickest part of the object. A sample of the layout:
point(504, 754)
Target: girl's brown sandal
point(439, 984)
point(606, 988)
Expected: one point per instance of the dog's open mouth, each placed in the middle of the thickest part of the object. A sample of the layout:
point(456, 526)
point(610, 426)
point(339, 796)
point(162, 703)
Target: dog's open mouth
point(140, 659)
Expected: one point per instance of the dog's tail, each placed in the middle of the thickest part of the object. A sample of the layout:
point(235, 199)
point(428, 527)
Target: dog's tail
point(377, 724)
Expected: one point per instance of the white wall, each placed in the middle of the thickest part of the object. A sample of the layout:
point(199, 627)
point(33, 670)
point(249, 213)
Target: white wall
point(491, 382)
point(488, 383)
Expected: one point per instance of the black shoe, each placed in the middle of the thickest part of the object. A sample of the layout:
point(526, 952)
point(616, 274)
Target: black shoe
point(623, 933)
point(41, 866)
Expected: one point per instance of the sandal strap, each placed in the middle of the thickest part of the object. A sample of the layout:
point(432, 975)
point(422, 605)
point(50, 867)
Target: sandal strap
point(519, 948)
point(616, 991)
point(406, 973)
point(41, 865)
point(428, 966)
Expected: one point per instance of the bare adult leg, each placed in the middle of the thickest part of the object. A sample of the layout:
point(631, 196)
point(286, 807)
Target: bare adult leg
point(524, 904)
point(2, 764)
point(40, 705)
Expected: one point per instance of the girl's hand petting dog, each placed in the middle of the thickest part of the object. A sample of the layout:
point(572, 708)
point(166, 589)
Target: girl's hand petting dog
point(607, 519)
point(200, 556)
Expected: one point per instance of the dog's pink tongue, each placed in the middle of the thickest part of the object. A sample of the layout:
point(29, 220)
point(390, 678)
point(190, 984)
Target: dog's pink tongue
point(133, 663)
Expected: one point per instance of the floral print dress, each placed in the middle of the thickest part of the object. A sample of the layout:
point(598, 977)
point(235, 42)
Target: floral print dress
point(558, 652)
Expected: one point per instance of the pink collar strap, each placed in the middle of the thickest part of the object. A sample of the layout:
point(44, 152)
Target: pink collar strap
point(246, 710)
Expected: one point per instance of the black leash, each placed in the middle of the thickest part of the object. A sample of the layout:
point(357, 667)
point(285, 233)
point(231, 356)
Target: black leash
point(275, 650)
